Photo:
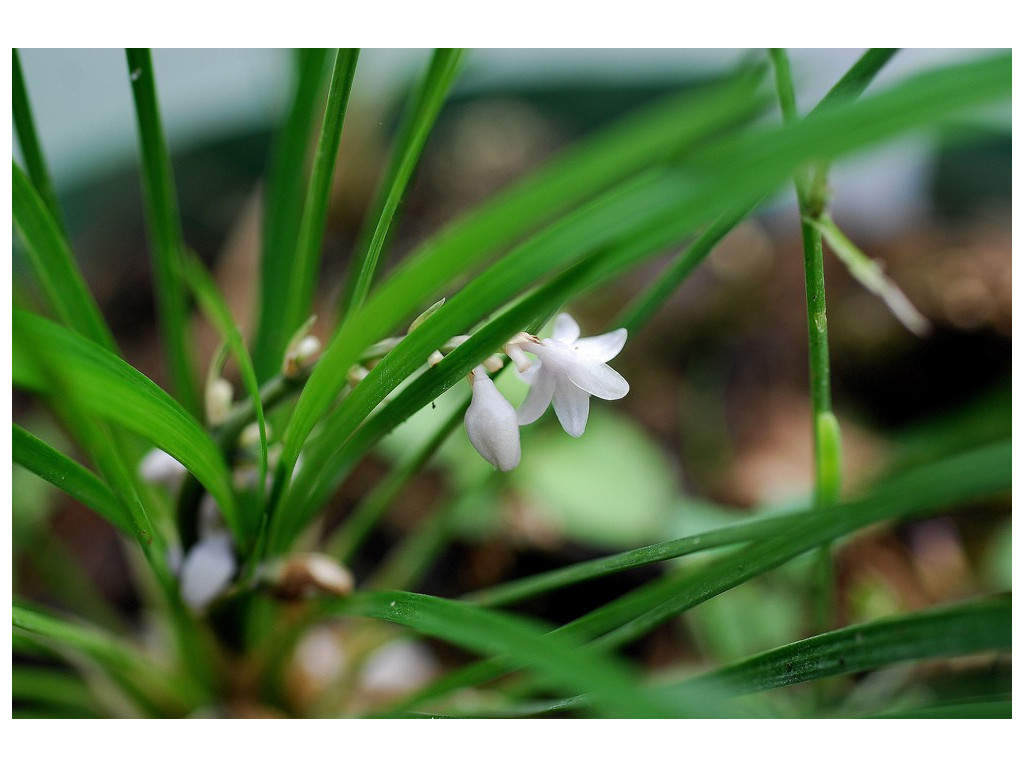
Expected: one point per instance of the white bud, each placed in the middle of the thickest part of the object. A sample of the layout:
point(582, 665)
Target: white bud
point(425, 314)
point(356, 374)
point(160, 468)
point(491, 423)
point(303, 575)
point(493, 363)
point(207, 570)
point(301, 355)
point(435, 358)
point(219, 395)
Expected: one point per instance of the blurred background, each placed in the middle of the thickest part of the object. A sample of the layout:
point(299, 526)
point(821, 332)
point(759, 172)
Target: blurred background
point(717, 422)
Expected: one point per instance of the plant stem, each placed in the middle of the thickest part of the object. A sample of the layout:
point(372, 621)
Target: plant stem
point(827, 444)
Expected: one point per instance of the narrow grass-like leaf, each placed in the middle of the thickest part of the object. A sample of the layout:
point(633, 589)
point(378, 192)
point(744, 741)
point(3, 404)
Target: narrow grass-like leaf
point(344, 542)
point(62, 690)
point(615, 691)
point(158, 690)
point(165, 233)
point(421, 114)
point(28, 140)
point(53, 264)
point(282, 212)
point(306, 262)
point(956, 630)
point(985, 708)
point(738, 533)
point(100, 383)
point(640, 310)
point(68, 475)
point(216, 309)
point(955, 480)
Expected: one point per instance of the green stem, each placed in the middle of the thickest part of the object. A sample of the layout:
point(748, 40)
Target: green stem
point(827, 444)
point(271, 393)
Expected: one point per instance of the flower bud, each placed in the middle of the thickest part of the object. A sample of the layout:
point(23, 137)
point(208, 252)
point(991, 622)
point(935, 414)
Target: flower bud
point(207, 570)
point(300, 356)
point(491, 423)
point(160, 468)
point(219, 395)
point(302, 576)
point(425, 314)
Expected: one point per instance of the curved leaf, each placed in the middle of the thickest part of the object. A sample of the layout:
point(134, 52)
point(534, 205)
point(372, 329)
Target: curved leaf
point(52, 360)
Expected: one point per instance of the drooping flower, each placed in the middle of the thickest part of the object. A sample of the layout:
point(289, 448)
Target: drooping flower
point(568, 371)
point(491, 423)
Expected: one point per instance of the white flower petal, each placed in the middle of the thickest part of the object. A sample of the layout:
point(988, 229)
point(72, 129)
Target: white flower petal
point(539, 397)
point(160, 467)
point(566, 329)
point(604, 347)
point(572, 406)
point(207, 570)
point(530, 374)
point(599, 380)
point(491, 424)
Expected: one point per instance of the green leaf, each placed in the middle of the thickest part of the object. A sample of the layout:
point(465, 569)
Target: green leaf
point(53, 264)
point(955, 480)
point(158, 690)
point(615, 691)
point(164, 228)
point(62, 690)
point(943, 632)
point(305, 264)
point(286, 189)
point(31, 149)
point(68, 475)
point(49, 359)
point(987, 708)
point(346, 540)
point(421, 114)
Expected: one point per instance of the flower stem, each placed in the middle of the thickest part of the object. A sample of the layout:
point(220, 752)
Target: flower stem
point(827, 440)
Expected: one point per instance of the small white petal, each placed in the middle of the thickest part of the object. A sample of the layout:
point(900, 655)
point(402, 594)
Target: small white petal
point(566, 329)
point(572, 406)
point(160, 467)
point(599, 380)
point(604, 347)
point(491, 424)
point(539, 397)
point(207, 570)
point(211, 522)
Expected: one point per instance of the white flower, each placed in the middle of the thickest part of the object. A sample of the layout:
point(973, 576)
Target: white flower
point(491, 423)
point(207, 570)
point(569, 371)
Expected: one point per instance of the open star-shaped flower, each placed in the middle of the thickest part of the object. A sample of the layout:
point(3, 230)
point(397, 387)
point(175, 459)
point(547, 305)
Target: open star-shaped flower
point(568, 371)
